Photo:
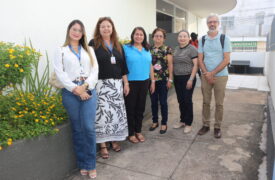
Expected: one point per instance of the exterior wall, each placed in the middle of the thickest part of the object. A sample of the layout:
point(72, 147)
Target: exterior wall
point(45, 22)
point(270, 73)
point(270, 61)
point(257, 59)
point(202, 27)
point(192, 23)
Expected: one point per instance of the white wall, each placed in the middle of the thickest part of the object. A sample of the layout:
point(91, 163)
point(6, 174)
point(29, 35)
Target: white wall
point(202, 27)
point(257, 59)
point(45, 21)
point(192, 23)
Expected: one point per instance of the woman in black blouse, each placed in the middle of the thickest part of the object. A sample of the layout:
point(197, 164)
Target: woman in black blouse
point(111, 121)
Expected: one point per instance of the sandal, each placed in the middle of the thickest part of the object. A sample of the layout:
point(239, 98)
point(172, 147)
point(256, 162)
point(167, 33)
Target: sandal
point(104, 155)
point(92, 174)
point(140, 137)
point(83, 172)
point(133, 139)
point(115, 146)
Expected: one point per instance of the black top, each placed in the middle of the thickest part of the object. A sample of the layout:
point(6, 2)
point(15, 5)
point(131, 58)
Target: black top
point(107, 70)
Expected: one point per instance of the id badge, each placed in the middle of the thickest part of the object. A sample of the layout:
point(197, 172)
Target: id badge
point(113, 60)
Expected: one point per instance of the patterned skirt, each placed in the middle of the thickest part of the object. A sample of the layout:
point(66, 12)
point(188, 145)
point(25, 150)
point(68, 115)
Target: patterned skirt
point(111, 120)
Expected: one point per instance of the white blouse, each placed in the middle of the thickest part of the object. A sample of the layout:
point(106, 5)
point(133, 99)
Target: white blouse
point(70, 69)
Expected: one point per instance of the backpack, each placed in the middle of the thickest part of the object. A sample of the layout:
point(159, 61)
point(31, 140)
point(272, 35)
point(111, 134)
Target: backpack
point(221, 40)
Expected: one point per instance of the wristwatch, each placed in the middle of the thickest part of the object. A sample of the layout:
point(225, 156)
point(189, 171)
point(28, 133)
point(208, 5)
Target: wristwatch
point(170, 80)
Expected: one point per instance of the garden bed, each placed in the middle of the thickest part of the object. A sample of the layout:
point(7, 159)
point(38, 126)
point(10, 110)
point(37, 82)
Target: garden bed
point(43, 157)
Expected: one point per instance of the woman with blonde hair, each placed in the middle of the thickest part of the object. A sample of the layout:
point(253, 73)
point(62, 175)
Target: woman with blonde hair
point(111, 120)
point(75, 65)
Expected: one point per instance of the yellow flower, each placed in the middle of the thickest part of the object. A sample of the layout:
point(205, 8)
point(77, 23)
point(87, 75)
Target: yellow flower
point(46, 121)
point(21, 70)
point(12, 56)
point(9, 143)
point(16, 65)
point(13, 109)
point(53, 123)
point(20, 56)
point(28, 52)
point(11, 51)
point(10, 140)
point(18, 104)
point(36, 120)
point(7, 65)
point(56, 129)
point(1, 148)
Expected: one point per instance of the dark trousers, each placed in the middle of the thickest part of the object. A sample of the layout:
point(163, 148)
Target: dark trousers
point(135, 105)
point(184, 97)
point(160, 95)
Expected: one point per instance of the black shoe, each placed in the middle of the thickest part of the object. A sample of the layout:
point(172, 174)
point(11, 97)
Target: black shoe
point(203, 130)
point(152, 128)
point(217, 133)
point(163, 131)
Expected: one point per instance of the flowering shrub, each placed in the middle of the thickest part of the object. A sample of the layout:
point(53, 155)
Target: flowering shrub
point(124, 41)
point(30, 108)
point(15, 63)
point(24, 115)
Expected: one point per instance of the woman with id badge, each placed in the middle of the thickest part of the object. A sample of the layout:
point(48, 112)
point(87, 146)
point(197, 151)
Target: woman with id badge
point(76, 68)
point(111, 120)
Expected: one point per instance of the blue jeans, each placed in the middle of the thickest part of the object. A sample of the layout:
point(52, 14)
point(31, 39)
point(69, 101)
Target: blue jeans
point(160, 95)
point(82, 117)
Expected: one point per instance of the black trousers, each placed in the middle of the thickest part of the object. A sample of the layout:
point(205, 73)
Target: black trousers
point(135, 105)
point(184, 97)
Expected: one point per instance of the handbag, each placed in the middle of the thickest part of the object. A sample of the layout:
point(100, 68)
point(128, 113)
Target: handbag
point(53, 81)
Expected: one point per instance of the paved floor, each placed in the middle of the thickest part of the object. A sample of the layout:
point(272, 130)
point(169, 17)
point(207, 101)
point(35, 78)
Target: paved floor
point(180, 156)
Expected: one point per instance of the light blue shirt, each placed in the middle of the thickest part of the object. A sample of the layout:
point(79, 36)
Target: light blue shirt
point(213, 52)
point(138, 63)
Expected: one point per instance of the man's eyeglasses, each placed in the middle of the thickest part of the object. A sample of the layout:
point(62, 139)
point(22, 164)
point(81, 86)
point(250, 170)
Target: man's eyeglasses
point(210, 22)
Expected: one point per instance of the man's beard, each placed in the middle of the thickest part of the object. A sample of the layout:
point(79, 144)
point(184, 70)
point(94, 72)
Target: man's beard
point(212, 30)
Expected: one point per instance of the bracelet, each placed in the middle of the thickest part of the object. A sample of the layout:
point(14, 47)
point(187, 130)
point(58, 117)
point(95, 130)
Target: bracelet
point(191, 78)
point(153, 81)
point(170, 80)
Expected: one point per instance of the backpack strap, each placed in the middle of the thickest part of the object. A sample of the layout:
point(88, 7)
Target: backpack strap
point(222, 40)
point(203, 40)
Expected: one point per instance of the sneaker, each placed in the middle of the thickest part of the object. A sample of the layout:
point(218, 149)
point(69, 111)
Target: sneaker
point(203, 130)
point(178, 125)
point(187, 129)
point(217, 133)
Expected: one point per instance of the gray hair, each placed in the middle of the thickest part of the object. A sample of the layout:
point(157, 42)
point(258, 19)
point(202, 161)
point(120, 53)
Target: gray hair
point(213, 15)
point(185, 32)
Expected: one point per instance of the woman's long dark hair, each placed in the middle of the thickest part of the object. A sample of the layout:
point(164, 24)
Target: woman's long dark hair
point(144, 43)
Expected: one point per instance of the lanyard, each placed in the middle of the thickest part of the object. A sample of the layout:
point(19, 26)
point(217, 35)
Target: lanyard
point(78, 55)
point(110, 47)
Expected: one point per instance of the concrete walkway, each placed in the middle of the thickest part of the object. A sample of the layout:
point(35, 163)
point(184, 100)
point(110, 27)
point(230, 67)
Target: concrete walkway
point(180, 156)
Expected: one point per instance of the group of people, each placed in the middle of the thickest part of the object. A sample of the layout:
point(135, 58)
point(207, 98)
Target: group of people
point(106, 84)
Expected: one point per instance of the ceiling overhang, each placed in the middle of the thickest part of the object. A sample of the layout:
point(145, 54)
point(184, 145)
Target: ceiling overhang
point(203, 8)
